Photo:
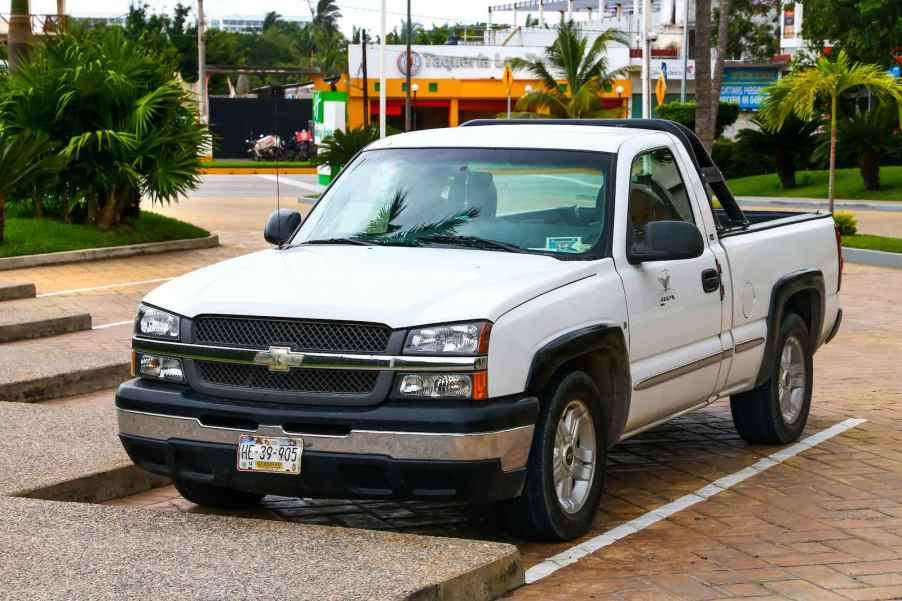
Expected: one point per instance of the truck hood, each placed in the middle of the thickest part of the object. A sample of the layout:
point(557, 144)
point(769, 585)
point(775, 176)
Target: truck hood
point(400, 287)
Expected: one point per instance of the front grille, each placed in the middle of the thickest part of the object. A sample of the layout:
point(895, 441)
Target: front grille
point(300, 335)
point(258, 377)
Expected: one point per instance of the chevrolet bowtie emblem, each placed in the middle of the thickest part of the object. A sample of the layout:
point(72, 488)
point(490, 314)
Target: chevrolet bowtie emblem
point(279, 358)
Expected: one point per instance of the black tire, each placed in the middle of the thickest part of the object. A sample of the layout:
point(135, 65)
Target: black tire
point(208, 495)
point(537, 513)
point(757, 414)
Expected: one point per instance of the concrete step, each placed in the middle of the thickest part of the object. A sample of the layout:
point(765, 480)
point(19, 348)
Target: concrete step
point(26, 321)
point(16, 291)
point(49, 368)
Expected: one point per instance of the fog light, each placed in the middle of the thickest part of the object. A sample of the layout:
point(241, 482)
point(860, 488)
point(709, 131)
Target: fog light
point(445, 386)
point(161, 368)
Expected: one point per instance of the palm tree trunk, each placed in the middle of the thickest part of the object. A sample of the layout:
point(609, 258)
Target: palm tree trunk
point(723, 35)
point(110, 211)
point(2, 215)
point(703, 73)
point(19, 31)
point(831, 178)
point(869, 167)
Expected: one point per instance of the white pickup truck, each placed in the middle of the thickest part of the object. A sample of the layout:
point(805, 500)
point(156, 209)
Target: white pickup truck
point(481, 313)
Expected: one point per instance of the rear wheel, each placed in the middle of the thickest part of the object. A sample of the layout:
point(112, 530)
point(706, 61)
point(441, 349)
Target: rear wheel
point(776, 412)
point(566, 464)
point(208, 495)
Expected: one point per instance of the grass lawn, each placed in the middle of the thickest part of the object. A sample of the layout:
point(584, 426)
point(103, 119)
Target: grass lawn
point(813, 184)
point(869, 242)
point(36, 236)
point(248, 164)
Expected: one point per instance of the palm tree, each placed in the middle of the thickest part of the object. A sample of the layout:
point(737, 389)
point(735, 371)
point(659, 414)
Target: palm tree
point(271, 19)
point(326, 15)
point(21, 160)
point(584, 69)
point(788, 145)
point(867, 136)
point(19, 30)
point(804, 91)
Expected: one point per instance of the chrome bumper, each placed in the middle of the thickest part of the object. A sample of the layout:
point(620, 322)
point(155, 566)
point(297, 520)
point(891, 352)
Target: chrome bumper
point(510, 446)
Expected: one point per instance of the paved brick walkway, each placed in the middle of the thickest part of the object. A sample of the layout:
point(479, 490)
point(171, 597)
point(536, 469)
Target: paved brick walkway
point(826, 524)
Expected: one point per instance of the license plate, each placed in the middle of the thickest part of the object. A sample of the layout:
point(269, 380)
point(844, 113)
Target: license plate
point(271, 455)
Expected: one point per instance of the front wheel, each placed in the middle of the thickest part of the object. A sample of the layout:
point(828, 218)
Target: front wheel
point(776, 412)
point(566, 466)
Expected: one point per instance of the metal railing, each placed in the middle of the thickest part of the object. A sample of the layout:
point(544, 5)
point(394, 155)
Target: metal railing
point(40, 24)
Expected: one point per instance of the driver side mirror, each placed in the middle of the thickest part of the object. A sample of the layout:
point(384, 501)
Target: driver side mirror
point(281, 225)
point(667, 241)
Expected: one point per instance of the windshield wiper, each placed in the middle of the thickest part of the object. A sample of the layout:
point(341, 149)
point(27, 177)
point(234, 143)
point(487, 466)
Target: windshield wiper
point(473, 242)
point(350, 240)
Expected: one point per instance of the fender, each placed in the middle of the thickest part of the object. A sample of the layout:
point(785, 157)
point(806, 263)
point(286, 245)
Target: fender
point(581, 343)
point(784, 289)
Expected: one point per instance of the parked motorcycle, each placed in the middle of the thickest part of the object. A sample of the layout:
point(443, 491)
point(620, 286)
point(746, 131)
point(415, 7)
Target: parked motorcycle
point(265, 147)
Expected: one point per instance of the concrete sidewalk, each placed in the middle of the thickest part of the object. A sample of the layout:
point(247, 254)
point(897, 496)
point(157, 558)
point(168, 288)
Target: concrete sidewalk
point(819, 203)
point(74, 551)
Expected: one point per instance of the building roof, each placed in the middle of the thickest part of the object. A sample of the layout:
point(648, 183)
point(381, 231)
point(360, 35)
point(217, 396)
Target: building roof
point(564, 137)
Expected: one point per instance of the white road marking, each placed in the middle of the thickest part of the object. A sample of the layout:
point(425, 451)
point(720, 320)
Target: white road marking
point(104, 287)
point(112, 325)
point(577, 552)
point(292, 182)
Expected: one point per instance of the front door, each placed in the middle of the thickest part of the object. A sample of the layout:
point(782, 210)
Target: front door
point(674, 322)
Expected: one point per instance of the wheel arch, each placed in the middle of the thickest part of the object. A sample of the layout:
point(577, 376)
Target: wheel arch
point(801, 292)
point(600, 351)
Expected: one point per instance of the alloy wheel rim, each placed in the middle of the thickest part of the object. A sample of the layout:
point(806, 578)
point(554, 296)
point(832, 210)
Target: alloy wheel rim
point(574, 456)
point(791, 380)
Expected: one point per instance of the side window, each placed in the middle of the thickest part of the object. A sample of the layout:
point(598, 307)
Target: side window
point(657, 192)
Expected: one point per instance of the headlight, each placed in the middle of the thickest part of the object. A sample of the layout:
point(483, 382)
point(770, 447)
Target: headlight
point(158, 368)
point(470, 338)
point(157, 324)
point(443, 386)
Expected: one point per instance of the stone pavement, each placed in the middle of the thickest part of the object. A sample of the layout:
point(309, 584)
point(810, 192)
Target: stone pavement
point(826, 524)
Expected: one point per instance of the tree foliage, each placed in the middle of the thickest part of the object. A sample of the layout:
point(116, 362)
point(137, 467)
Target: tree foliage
point(807, 93)
point(684, 112)
point(786, 148)
point(340, 147)
point(123, 126)
point(867, 136)
point(583, 68)
point(868, 30)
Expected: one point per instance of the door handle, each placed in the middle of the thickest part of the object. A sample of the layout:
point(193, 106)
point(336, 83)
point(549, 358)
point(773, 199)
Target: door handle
point(710, 280)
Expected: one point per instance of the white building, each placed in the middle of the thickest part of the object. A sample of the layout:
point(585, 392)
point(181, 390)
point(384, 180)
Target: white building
point(247, 23)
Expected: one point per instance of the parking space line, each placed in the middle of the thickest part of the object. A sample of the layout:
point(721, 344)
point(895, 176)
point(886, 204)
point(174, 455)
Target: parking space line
point(104, 287)
point(292, 182)
point(113, 325)
point(577, 552)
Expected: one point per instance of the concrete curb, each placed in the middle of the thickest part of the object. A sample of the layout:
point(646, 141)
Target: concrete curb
point(487, 582)
point(10, 292)
point(68, 384)
point(886, 205)
point(97, 487)
point(112, 252)
point(48, 326)
point(258, 171)
point(877, 258)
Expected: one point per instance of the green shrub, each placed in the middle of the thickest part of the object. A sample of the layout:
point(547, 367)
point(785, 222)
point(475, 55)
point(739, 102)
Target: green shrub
point(846, 222)
point(684, 112)
point(733, 159)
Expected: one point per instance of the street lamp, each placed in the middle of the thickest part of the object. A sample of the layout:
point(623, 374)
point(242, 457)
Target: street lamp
point(528, 89)
point(414, 88)
point(619, 90)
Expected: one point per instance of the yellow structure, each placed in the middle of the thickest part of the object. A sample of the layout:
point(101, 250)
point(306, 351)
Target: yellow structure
point(448, 102)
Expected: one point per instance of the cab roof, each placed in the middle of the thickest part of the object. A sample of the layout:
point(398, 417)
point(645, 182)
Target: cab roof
point(547, 136)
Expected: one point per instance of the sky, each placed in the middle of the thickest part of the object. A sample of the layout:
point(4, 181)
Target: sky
point(360, 13)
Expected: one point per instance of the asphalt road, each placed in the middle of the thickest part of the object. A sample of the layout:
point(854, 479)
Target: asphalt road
point(255, 186)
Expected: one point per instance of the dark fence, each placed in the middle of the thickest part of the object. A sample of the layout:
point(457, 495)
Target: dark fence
point(234, 120)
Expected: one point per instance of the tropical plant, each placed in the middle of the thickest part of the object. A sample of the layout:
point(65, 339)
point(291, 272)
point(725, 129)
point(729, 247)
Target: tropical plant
point(787, 146)
point(867, 137)
point(124, 126)
point(685, 112)
point(584, 70)
point(846, 222)
point(326, 14)
point(804, 93)
point(22, 159)
point(337, 149)
point(383, 229)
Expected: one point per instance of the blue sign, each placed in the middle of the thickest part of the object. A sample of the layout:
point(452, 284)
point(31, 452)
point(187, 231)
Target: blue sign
point(745, 87)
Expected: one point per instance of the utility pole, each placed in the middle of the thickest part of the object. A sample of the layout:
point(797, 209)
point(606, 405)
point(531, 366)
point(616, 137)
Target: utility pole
point(202, 62)
point(407, 117)
point(366, 82)
point(683, 83)
point(646, 58)
point(382, 74)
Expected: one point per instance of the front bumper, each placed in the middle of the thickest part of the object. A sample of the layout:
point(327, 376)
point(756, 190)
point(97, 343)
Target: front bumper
point(476, 450)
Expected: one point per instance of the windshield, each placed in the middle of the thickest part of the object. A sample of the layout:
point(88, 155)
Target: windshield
point(549, 201)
